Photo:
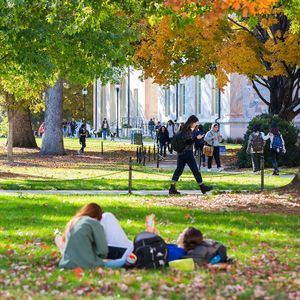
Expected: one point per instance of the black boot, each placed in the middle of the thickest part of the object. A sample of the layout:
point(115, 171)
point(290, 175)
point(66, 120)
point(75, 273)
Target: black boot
point(173, 191)
point(205, 188)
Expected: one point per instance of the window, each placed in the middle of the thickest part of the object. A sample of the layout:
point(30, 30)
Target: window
point(174, 102)
point(182, 99)
point(167, 102)
point(198, 94)
point(215, 96)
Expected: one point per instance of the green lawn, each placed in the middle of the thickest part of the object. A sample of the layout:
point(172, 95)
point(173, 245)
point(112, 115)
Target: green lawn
point(142, 180)
point(266, 247)
point(110, 171)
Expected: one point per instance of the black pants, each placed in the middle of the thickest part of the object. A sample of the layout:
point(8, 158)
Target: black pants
point(255, 158)
point(83, 144)
point(216, 156)
point(199, 148)
point(275, 157)
point(170, 145)
point(163, 149)
point(187, 158)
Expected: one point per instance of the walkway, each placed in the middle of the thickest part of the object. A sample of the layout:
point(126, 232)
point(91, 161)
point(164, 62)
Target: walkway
point(97, 192)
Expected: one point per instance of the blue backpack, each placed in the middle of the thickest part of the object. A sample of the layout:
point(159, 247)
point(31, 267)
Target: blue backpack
point(277, 144)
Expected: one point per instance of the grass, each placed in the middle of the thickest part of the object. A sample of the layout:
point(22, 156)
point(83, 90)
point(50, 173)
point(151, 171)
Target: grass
point(27, 252)
point(109, 172)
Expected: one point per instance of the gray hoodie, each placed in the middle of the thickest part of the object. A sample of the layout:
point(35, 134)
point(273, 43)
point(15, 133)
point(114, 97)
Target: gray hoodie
point(213, 138)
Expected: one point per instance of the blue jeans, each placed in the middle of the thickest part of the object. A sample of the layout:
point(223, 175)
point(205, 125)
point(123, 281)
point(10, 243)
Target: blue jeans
point(104, 133)
point(187, 158)
point(115, 263)
point(275, 156)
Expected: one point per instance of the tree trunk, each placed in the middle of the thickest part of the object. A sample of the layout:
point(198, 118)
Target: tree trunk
point(10, 132)
point(294, 186)
point(52, 142)
point(23, 136)
point(281, 97)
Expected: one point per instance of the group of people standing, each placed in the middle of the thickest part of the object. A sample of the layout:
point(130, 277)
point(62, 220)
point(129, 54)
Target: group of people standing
point(69, 128)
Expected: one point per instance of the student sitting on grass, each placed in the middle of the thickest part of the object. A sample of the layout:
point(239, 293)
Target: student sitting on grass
point(87, 242)
point(200, 250)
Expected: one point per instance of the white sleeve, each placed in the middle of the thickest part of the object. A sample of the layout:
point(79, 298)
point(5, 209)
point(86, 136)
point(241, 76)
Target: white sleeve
point(265, 137)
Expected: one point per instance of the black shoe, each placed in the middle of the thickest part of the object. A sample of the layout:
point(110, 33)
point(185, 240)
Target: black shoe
point(205, 188)
point(173, 191)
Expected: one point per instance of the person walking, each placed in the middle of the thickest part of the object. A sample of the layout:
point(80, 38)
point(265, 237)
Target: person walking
point(151, 128)
point(65, 127)
point(255, 148)
point(213, 138)
point(82, 138)
point(277, 146)
point(105, 128)
point(171, 131)
point(199, 143)
point(157, 128)
point(73, 127)
point(163, 138)
point(185, 143)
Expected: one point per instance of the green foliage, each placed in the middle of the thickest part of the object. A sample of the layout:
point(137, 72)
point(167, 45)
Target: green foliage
point(207, 127)
point(289, 133)
point(3, 124)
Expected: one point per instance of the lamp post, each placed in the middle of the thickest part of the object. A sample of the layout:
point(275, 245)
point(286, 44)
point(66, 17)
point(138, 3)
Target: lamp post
point(118, 90)
point(84, 93)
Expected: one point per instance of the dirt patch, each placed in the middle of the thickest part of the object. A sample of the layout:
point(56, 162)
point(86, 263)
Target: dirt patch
point(251, 202)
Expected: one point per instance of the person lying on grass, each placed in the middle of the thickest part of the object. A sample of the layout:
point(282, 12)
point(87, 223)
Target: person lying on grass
point(92, 236)
point(200, 250)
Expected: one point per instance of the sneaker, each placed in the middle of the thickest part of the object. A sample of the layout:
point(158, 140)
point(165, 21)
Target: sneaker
point(203, 165)
point(173, 191)
point(220, 169)
point(205, 188)
point(208, 170)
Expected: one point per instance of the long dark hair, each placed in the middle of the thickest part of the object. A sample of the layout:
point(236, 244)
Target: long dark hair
point(192, 237)
point(187, 125)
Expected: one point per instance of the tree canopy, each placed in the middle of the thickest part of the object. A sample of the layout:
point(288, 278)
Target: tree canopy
point(251, 38)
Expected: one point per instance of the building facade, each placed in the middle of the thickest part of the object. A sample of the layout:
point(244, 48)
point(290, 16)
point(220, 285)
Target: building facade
point(233, 108)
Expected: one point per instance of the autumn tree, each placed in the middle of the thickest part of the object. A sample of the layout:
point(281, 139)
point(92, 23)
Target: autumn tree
point(251, 38)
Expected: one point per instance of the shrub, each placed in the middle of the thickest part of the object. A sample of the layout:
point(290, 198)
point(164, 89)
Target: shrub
point(207, 126)
point(289, 132)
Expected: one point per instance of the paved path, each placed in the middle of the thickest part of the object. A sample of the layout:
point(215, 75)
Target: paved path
point(96, 192)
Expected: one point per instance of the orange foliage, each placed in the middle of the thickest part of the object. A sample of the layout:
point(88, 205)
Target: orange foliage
point(212, 44)
point(247, 7)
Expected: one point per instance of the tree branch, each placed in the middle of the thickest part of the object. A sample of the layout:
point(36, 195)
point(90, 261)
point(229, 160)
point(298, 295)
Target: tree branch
point(241, 26)
point(259, 93)
point(264, 83)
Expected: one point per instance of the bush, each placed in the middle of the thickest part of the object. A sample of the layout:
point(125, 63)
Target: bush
point(207, 127)
point(289, 133)
point(238, 141)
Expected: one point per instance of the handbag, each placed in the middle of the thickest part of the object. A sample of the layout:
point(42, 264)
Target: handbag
point(208, 150)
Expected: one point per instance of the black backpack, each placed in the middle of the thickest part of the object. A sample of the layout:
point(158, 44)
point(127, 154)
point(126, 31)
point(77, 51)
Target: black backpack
point(178, 142)
point(151, 251)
